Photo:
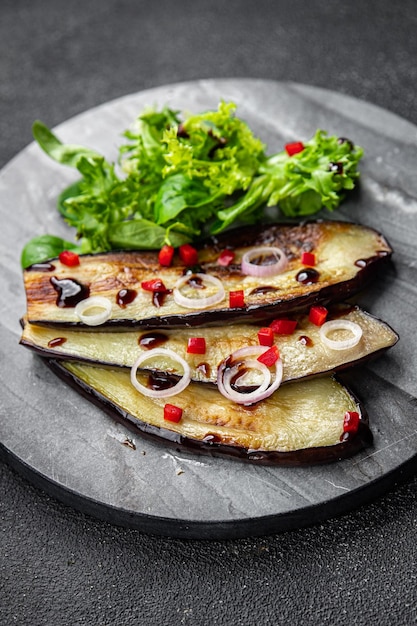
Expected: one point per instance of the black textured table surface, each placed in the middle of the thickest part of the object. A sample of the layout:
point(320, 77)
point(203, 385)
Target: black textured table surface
point(58, 566)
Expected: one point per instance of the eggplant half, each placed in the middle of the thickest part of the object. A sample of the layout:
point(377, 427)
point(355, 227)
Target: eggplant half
point(346, 256)
point(301, 423)
point(303, 352)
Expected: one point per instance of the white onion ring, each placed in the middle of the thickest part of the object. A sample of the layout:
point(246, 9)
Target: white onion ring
point(252, 269)
point(161, 393)
point(265, 389)
point(340, 344)
point(225, 383)
point(94, 302)
point(198, 303)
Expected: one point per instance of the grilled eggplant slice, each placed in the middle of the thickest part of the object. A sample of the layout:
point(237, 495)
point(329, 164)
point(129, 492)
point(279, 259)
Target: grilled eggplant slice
point(302, 423)
point(302, 352)
point(347, 255)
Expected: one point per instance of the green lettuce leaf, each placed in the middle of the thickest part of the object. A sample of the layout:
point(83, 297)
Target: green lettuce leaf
point(176, 180)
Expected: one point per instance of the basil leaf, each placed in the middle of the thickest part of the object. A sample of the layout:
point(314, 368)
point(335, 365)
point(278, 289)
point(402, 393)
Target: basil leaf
point(66, 154)
point(140, 234)
point(44, 247)
point(177, 193)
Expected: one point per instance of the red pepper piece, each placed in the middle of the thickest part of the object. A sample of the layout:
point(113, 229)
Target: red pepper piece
point(269, 357)
point(294, 147)
point(318, 315)
point(69, 258)
point(166, 255)
point(196, 345)
point(226, 258)
point(155, 284)
point(266, 336)
point(236, 299)
point(308, 258)
point(188, 255)
point(283, 327)
point(351, 422)
point(172, 413)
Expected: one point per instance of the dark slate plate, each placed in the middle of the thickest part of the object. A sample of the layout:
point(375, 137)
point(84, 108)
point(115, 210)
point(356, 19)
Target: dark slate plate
point(78, 454)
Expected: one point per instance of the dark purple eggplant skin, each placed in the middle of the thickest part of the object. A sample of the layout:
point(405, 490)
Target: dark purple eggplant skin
point(256, 235)
point(305, 457)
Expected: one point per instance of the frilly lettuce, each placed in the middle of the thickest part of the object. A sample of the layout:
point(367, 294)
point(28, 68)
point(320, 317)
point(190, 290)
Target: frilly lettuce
point(177, 180)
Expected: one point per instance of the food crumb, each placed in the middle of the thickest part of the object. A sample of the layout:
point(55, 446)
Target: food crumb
point(129, 443)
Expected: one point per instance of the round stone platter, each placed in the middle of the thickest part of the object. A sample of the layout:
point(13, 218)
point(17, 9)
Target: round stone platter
point(73, 450)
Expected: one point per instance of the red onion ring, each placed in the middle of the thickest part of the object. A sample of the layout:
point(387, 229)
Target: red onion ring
point(252, 269)
point(340, 344)
point(161, 393)
point(198, 303)
point(225, 374)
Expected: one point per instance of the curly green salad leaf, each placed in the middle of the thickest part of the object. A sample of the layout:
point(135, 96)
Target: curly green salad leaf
point(176, 180)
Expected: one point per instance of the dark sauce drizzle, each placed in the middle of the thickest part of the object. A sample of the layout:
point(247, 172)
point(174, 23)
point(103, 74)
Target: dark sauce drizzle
point(195, 282)
point(204, 368)
point(194, 269)
point(365, 262)
point(161, 380)
point(152, 340)
point(57, 341)
point(158, 297)
point(70, 291)
point(308, 276)
point(41, 267)
point(125, 297)
point(263, 289)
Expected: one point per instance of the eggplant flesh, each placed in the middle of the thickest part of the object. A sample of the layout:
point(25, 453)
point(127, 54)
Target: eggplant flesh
point(347, 256)
point(301, 423)
point(303, 353)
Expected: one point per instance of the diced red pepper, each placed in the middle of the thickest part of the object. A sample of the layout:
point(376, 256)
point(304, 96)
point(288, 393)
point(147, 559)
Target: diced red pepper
point(172, 413)
point(69, 258)
point(188, 255)
point(308, 258)
point(226, 258)
point(166, 255)
point(283, 327)
point(155, 284)
point(196, 345)
point(236, 299)
point(351, 422)
point(294, 147)
point(318, 315)
point(266, 336)
point(269, 357)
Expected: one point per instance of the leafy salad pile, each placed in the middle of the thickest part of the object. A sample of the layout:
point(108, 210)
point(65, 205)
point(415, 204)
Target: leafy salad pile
point(177, 180)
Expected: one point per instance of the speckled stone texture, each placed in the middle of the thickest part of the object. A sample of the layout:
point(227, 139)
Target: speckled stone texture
point(58, 566)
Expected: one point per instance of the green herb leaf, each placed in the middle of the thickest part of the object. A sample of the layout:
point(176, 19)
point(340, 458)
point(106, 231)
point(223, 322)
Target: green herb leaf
point(178, 193)
point(65, 154)
point(140, 234)
point(179, 179)
point(45, 247)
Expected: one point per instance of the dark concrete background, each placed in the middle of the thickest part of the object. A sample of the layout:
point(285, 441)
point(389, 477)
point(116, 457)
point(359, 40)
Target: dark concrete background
point(59, 567)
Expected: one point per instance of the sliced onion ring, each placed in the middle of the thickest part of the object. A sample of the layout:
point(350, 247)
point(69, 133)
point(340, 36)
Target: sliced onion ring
point(340, 344)
point(94, 302)
point(198, 303)
point(253, 269)
point(161, 393)
point(225, 374)
point(226, 388)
